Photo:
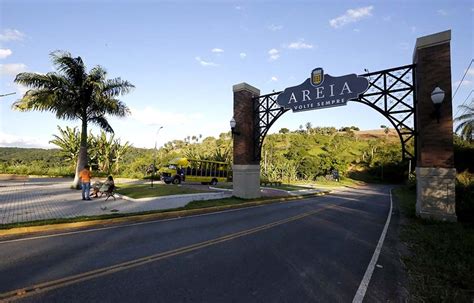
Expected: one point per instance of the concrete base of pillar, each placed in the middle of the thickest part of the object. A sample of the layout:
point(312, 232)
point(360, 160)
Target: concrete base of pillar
point(246, 181)
point(435, 193)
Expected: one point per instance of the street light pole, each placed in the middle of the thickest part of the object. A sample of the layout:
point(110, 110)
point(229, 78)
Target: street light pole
point(154, 157)
point(9, 94)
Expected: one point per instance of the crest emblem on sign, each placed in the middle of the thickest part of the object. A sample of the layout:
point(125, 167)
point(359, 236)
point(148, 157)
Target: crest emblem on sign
point(317, 76)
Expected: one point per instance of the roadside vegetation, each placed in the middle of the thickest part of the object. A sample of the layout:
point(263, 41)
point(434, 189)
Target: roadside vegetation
point(283, 186)
point(291, 157)
point(440, 263)
point(73, 93)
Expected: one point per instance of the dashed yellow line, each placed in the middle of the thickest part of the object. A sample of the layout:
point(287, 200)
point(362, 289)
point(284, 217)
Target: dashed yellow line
point(50, 285)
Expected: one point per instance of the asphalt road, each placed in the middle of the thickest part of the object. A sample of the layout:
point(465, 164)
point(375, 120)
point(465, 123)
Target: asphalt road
point(312, 250)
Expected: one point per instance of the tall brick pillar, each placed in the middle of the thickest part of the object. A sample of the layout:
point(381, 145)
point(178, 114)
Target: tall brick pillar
point(246, 170)
point(435, 172)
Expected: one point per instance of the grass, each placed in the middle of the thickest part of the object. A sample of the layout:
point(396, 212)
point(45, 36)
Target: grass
point(288, 187)
point(137, 191)
point(441, 261)
point(226, 185)
point(326, 183)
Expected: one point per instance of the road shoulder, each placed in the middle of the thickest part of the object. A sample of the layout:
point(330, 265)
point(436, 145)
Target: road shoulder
point(389, 282)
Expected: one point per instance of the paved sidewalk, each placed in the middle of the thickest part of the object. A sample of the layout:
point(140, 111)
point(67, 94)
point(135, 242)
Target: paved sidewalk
point(51, 198)
point(42, 199)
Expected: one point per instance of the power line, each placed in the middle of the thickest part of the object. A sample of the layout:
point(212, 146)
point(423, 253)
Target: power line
point(459, 107)
point(467, 69)
point(465, 110)
point(459, 85)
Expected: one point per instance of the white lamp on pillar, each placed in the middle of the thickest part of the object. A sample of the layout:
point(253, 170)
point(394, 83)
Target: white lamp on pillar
point(233, 124)
point(437, 96)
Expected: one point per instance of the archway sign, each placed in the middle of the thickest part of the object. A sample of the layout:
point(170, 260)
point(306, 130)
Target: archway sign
point(322, 91)
point(402, 94)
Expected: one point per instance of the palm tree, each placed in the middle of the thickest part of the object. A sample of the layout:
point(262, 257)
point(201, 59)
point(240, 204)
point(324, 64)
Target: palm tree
point(467, 122)
point(73, 93)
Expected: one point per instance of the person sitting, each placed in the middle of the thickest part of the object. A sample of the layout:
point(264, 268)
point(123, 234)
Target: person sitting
point(95, 189)
point(102, 187)
point(107, 184)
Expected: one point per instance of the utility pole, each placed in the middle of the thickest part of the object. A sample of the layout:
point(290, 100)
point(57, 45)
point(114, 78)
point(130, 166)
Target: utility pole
point(154, 157)
point(4, 95)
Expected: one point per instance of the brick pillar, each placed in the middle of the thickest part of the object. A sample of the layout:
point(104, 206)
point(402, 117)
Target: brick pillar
point(435, 170)
point(246, 170)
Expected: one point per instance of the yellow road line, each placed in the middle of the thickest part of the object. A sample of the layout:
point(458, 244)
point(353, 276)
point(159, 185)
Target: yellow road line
point(50, 285)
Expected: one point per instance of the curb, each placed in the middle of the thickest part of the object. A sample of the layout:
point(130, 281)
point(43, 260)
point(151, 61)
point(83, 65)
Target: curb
point(18, 231)
point(211, 196)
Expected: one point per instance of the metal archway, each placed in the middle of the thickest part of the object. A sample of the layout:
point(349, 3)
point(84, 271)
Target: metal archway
point(391, 92)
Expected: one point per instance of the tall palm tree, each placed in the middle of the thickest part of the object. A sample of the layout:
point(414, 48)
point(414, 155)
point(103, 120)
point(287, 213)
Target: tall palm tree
point(73, 93)
point(466, 125)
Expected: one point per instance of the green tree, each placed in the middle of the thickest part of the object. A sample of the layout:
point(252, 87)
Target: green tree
point(120, 151)
point(73, 93)
point(69, 141)
point(466, 125)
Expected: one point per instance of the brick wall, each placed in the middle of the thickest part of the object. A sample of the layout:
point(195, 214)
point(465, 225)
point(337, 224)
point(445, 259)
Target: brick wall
point(244, 118)
point(435, 140)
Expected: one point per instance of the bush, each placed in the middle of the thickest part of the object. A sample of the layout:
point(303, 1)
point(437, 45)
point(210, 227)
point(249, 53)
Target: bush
point(465, 197)
point(321, 179)
point(463, 159)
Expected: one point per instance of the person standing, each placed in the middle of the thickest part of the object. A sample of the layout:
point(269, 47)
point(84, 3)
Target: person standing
point(85, 176)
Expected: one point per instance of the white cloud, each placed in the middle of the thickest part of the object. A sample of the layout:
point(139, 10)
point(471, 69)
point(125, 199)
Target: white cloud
point(470, 72)
point(300, 45)
point(11, 35)
point(151, 116)
point(356, 30)
point(351, 15)
point(238, 8)
point(217, 50)
point(21, 89)
point(12, 69)
point(5, 52)
point(442, 12)
point(274, 54)
point(243, 55)
point(274, 79)
point(274, 27)
point(205, 63)
point(141, 127)
point(7, 140)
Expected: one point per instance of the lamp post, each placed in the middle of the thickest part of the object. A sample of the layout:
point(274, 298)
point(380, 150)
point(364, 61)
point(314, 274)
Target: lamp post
point(233, 124)
point(437, 96)
point(154, 157)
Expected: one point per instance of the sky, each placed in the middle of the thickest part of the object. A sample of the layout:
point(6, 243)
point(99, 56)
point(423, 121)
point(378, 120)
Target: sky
point(184, 57)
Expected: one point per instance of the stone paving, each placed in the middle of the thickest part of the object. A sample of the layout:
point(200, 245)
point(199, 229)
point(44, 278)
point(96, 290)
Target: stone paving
point(51, 198)
point(42, 199)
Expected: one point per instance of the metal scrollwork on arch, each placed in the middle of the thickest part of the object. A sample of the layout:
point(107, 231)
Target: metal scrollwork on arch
point(391, 92)
point(266, 112)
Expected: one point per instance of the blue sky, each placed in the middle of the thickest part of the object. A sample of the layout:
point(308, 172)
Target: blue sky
point(184, 56)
